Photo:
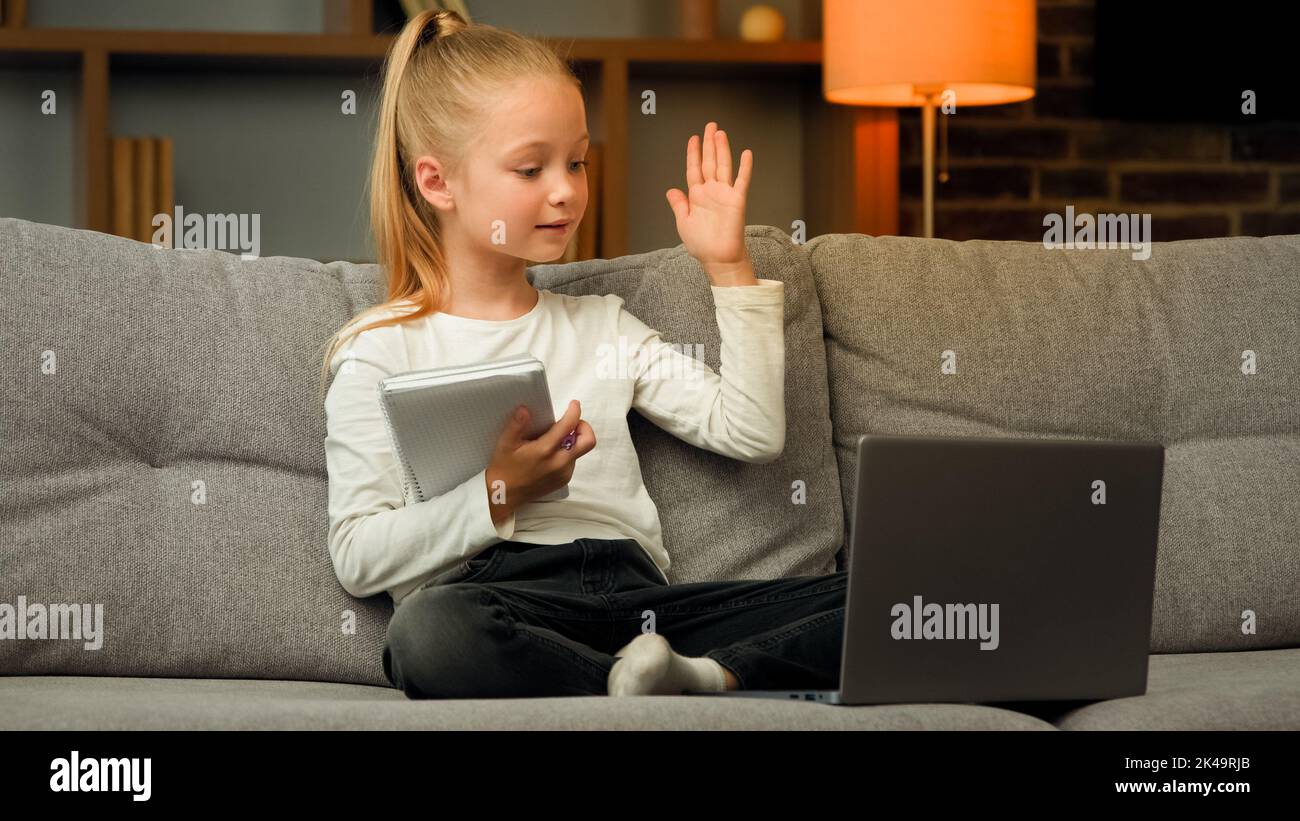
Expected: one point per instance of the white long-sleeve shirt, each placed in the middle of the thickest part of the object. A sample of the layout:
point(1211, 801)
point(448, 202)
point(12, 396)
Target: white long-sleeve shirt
point(595, 351)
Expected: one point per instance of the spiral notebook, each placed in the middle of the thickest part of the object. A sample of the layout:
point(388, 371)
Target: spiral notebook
point(444, 423)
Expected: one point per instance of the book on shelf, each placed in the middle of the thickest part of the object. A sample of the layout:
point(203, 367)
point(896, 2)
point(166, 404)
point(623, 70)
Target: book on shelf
point(144, 192)
point(165, 179)
point(142, 182)
point(13, 14)
point(120, 179)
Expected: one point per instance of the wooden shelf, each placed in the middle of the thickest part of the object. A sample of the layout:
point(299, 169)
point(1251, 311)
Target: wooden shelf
point(836, 137)
point(202, 50)
point(183, 46)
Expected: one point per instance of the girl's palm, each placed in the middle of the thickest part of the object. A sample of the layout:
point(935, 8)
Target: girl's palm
point(711, 215)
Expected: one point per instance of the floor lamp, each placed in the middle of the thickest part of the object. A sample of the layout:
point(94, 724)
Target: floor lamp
point(928, 53)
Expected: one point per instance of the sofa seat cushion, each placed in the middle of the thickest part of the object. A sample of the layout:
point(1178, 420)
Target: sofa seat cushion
point(124, 703)
point(1247, 690)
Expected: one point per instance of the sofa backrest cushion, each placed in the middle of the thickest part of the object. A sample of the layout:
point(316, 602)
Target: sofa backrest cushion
point(164, 434)
point(1055, 343)
point(722, 518)
point(164, 460)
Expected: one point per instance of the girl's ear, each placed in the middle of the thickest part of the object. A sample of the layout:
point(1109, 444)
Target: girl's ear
point(431, 183)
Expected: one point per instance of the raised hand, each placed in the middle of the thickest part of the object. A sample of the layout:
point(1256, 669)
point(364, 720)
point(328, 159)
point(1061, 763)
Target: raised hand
point(711, 215)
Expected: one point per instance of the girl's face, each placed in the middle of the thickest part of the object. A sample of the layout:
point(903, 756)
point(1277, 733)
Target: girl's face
point(527, 170)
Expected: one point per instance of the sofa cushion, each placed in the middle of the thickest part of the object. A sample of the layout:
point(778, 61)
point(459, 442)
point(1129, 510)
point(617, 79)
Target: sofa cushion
point(1095, 344)
point(163, 431)
point(95, 703)
point(725, 519)
point(1248, 690)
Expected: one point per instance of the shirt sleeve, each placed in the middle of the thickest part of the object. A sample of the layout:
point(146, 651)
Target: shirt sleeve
point(739, 413)
point(376, 541)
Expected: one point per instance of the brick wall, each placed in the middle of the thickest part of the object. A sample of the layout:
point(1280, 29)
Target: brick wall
point(1011, 164)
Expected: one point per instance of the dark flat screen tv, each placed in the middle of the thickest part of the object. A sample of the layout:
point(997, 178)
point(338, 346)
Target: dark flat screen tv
point(1157, 60)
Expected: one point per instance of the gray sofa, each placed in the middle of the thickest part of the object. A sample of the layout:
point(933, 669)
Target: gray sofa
point(164, 468)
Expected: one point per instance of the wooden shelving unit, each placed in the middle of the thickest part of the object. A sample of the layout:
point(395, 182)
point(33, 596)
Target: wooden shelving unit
point(861, 140)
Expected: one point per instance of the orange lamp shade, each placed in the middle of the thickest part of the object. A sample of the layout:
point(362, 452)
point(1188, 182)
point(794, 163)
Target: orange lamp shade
point(890, 52)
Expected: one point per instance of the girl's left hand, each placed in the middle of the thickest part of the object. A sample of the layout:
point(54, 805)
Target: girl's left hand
point(711, 219)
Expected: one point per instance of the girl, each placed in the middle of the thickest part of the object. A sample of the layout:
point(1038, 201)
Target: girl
point(479, 153)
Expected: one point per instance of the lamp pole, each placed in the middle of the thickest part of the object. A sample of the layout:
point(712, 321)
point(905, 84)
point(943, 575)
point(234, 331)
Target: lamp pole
point(931, 94)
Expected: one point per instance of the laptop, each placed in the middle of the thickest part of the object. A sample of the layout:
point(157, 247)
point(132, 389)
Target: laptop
point(997, 569)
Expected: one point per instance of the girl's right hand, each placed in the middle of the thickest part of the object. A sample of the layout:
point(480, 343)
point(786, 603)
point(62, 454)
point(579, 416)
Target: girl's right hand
point(533, 468)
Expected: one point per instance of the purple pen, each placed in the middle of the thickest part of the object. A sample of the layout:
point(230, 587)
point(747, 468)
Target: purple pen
point(569, 440)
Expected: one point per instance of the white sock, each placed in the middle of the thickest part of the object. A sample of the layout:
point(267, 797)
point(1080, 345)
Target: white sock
point(648, 665)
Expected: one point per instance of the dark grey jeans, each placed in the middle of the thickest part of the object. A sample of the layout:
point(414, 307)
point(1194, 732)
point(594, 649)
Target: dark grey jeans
point(545, 620)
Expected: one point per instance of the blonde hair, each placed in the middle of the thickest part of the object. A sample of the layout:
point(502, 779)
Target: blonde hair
point(437, 75)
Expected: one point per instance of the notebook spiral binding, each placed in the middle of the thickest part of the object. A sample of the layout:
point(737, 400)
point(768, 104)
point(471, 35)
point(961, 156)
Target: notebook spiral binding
point(411, 490)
